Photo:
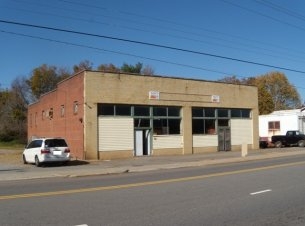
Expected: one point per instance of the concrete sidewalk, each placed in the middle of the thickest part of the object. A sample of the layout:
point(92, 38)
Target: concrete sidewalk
point(138, 164)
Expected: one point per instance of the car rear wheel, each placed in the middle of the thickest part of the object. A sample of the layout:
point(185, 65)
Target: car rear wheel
point(301, 143)
point(278, 144)
point(24, 160)
point(37, 163)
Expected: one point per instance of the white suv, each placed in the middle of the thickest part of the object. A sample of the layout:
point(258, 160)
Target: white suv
point(45, 150)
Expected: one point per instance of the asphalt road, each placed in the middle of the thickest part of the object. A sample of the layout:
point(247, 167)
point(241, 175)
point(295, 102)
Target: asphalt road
point(268, 192)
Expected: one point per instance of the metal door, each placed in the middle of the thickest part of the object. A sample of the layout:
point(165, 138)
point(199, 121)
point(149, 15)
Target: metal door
point(224, 139)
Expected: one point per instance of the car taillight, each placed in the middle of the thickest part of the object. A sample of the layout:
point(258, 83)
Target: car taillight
point(67, 150)
point(45, 151)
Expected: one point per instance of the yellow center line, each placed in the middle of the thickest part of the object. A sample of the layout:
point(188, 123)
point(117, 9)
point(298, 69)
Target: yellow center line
point(122, 186)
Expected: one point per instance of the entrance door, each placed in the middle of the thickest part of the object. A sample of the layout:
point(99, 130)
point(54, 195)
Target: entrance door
point(142, 142)
point(224, 139)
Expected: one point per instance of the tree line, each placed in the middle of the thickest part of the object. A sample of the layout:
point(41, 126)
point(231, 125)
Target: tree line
point(274, 92)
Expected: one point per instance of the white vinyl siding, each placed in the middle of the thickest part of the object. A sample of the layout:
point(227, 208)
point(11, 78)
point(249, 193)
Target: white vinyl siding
point(116, 134)
point(205, 141)
point(160, 142)
point(241, 131)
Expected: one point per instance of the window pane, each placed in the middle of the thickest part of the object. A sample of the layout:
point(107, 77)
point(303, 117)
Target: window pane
point(105, 109)
point(236, 113)
point(160, 126)
point(141, 122)
point(141, 111)
point(209, 126)
point(159, 111)
point(223, 122)
point(123, 110)
point(37, 143)
point(198, 127)
point(209, 112)
point(245, 113)
point(223, 113)
point(55, 143)
point(173, 111)
point(197, 112)
point(277, 125)
point(174, 126)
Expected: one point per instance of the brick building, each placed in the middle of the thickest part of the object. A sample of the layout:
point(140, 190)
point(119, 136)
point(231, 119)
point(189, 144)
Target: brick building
point(111, 115)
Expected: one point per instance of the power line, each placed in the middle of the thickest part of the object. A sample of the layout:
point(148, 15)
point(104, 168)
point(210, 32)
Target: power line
point(152, 45)
point(116, 52)
point(292, 58)
point(126, 54)
point(282, 9)
point(177, 24)
point(264, 15)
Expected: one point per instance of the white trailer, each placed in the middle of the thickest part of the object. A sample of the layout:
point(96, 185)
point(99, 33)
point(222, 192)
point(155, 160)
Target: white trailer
point(278, 122)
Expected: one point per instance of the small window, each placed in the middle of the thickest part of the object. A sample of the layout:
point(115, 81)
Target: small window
point(42, 115)
point(274, 125)
point(35, 119)
point(31, 120)
point(62, 110)
point(75, 107)
point(51, 113)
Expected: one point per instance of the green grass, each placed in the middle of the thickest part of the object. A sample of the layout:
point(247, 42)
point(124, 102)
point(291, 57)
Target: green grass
point(11, 145)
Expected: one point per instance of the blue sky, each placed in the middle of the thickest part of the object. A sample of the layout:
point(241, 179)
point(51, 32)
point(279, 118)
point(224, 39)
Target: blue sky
point(270, 32)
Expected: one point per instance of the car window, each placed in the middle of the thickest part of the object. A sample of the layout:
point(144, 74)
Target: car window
point(56, 143)
point(35, 144)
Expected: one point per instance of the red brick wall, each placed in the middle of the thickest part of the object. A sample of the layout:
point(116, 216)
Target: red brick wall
point(70, 124)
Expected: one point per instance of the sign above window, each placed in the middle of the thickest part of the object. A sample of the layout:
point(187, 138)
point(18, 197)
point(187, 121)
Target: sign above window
point(215, 99)
point(154, 95)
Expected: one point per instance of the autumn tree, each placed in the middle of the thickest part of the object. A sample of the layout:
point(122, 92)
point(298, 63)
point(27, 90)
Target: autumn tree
point(45, 78)
point(83, 65)
point(13, 111)
point(265, 100)
point(274, 91)
point(108, 68)
point(284, 95)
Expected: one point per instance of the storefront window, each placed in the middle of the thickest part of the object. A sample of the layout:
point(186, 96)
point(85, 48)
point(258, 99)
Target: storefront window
point(141, 111)
point(209, 112)
point(222, 113)
point(159, 111)
point(204, 126)
point(123, 110)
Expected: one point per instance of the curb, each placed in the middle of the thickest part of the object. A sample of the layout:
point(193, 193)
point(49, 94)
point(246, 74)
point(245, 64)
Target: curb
point(21, 175)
